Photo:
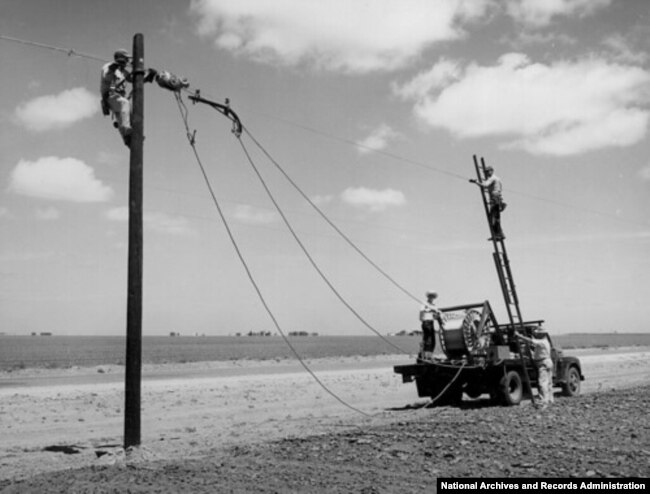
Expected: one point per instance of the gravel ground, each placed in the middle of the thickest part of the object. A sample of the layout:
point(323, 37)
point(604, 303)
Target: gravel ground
point(604, 434)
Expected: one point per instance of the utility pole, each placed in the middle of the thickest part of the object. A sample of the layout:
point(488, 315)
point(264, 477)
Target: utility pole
point(133, 372)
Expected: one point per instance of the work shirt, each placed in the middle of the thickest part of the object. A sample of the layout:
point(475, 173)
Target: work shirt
point(113, 80)
point(428, 312)
point(494, 186)
point(542, 350)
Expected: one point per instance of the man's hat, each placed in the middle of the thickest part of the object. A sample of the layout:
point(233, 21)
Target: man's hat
point(489, 169)
point(121, 54)
point(431, 293)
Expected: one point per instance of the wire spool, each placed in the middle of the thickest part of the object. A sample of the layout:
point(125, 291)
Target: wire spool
point(460, 337)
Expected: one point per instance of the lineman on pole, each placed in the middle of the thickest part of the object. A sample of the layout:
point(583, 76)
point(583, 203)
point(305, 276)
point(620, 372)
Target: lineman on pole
point(114, 77)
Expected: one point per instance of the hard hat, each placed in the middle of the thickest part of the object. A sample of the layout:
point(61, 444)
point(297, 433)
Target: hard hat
point(121, 54)
point(431, 293)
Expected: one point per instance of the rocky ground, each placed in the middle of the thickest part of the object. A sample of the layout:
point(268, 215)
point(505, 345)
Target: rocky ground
point(603, 434)
point(266, 426)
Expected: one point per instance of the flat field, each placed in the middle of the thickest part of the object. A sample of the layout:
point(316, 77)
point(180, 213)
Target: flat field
point(20, 352)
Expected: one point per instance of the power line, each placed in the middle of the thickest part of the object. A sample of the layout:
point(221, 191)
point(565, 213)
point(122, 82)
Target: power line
point(329, 222)
point(310, 258)
point(190, 137)
point(350, 142)
point(68, 51)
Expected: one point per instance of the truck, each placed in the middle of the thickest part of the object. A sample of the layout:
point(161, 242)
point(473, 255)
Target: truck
point(482, 357)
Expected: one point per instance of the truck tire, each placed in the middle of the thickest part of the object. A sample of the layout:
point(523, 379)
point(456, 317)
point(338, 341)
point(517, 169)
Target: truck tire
point(511, 389)
point(571, 385)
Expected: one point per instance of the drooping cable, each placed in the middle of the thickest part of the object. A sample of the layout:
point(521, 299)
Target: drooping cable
point(191, 139)
point(327, 220)
point(309, 256)
point(68, 51)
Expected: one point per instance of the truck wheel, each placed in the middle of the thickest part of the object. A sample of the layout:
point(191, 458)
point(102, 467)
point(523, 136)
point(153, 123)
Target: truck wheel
point(511, 388)
point(571, 386)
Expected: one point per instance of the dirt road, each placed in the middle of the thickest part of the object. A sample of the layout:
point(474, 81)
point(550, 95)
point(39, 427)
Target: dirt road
point(50, 422)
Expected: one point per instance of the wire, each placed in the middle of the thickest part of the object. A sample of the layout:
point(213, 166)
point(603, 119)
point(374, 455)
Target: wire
point(191, 139)
point(68, 51)
point(72, 52)
point(311, 259)
point(329, 222)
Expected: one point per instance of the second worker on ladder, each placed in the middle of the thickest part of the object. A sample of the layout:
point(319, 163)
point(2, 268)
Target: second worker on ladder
point(493, 185)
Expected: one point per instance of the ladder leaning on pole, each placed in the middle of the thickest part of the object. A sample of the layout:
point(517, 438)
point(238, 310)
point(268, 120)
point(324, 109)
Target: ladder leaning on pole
point(504, 272)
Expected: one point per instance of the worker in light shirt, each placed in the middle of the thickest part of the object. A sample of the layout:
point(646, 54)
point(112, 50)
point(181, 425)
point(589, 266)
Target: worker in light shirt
point(428, 314)
point(544, 363)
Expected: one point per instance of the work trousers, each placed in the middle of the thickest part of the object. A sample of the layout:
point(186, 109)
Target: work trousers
point(545, 381)
point(495, 216)
point(121, 108)
point(428, 337)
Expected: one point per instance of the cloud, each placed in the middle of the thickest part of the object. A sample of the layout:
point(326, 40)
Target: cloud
point(562, 108)
point(254, 216)
point(540, 13)
point(63, 179)
point(57, 111)
point(353, 36)
point(5, 213)
point(156, 221)
point(644, 173)
point(48, 214)
point(378, 139)
point(374, 200)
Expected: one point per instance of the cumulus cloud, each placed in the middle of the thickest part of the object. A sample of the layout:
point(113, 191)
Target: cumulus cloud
point(353, 36)
point(48, 214)
point(254, 216)
point(64, 179)
point(57, 111)
point(156, 221)
point(539, 13)
point(644, 173)
point(378, 139)
point(562, 108)
point(374, 200)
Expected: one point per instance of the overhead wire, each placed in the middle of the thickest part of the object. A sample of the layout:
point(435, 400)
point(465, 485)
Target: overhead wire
point(191, 137)
point(310, 257)
point(73, 52)
point(324, 216)
point(68, 51)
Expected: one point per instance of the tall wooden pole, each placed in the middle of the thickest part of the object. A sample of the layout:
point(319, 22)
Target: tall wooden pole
point(133, 371)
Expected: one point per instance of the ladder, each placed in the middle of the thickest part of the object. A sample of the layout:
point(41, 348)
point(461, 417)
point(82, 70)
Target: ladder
point(506, 280)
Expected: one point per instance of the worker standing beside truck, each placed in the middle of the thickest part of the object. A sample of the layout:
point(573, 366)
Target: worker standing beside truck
point(544, 363)
point(428, 314)
point(493, 184)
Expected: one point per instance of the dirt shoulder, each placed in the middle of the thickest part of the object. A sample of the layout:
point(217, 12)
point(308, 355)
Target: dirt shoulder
point(221, 422)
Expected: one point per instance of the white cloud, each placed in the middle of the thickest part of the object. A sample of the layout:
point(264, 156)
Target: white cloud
point(156, 221)
point(378, 139)
point(254, 216)
point(320, 200)
point(57, 111)
point(539, 13)
point(5, 213)
point(560, 109)
point(374, 200)
point(353, 36)
point(64, 179)
point(644, 173)
point(48, 214)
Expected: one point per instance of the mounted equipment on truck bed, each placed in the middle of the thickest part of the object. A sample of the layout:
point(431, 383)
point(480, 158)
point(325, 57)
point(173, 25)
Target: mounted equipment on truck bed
point(483, 356)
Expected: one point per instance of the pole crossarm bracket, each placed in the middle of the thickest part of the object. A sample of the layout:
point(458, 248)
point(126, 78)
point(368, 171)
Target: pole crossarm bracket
point(224, 109)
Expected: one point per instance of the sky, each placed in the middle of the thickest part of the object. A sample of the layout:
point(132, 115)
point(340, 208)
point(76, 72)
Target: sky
point(375, 110)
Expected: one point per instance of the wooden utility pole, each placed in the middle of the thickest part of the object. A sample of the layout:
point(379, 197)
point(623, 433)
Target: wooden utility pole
point(133, 373)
